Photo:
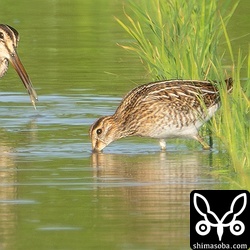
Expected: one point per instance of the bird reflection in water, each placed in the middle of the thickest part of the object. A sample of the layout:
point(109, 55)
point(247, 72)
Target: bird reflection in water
point(149, 189)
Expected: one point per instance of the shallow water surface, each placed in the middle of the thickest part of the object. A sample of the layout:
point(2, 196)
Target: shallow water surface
point(56, 194)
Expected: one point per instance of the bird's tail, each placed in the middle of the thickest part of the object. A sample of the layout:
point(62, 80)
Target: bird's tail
point(229, 83)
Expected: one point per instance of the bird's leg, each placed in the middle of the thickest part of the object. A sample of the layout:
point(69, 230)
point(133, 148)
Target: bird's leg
point(163, 144)
point(202, 142)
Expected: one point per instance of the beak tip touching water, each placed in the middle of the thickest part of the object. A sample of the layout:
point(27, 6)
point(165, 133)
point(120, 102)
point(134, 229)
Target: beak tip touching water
point(96, 151)
point(34, 104)
point(18, 66)
point(33, 95)
point(31, 92)
point(98, 145)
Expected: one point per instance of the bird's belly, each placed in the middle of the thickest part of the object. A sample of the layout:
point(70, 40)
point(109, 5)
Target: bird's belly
point(177, 132)
point(178, 125)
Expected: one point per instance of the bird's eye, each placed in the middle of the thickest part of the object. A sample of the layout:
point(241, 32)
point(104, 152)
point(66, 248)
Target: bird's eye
point(1, 35)
point(99, 131)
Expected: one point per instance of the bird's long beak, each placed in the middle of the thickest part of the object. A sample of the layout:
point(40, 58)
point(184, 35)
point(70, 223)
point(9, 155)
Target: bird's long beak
point(18, 66)
point(98, 145)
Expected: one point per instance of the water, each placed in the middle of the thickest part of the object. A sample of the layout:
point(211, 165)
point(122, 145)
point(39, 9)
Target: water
point(56, 194)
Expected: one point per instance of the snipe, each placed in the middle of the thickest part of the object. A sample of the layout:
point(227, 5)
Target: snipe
point(9, 38)
point(164, 109)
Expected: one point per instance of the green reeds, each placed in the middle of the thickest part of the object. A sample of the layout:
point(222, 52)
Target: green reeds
point(182, 39)
point(176, 39)
point(232, 125)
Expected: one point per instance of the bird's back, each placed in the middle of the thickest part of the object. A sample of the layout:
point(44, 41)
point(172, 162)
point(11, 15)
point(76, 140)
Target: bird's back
point(180, 92)
point(175, 103)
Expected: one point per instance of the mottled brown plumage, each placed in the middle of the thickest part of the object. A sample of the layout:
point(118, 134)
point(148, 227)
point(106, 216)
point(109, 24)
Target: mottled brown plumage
point(9, 39)
point(164, 109)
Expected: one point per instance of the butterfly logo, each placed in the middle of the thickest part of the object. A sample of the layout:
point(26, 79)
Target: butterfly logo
point(210, 219)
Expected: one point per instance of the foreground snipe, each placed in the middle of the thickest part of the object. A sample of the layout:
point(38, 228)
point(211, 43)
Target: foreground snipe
point(165, 109)
point(9, 38)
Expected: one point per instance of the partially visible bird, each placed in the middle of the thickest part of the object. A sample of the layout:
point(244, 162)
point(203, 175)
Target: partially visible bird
point(9, 38)
point(164, 109)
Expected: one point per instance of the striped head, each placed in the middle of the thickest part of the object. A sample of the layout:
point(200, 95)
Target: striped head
point(103, 132)
point(9, 38)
